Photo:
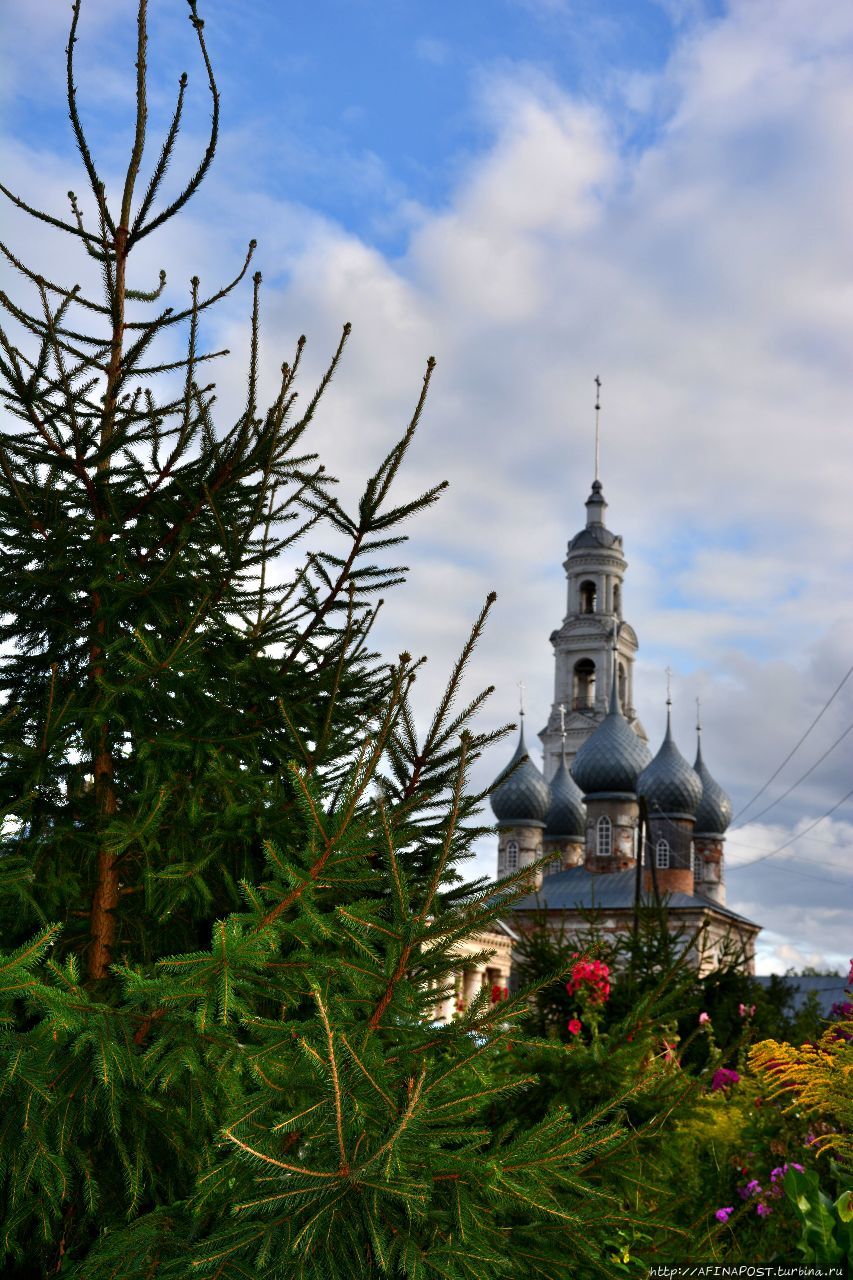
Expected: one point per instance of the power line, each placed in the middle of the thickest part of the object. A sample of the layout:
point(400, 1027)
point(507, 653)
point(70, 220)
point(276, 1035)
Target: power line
point(797, 745)
point(772, 853)
point(802, 778)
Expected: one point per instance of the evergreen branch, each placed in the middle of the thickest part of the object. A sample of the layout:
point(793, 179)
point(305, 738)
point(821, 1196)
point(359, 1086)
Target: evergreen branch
point(199, 175)
point(82, 145)
point(336, 1084)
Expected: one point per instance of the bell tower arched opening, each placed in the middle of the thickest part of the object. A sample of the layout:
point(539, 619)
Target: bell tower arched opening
point(583, 685)
point(588, 596)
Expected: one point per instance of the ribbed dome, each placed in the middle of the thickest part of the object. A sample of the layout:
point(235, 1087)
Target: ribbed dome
point(613, 757)
point(523, 799)
point(715, 808)
point(669, 785)
point(567, 813)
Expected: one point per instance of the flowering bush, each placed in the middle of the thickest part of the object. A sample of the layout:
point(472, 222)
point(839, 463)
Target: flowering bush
point(591, 977)
point(723, 1078)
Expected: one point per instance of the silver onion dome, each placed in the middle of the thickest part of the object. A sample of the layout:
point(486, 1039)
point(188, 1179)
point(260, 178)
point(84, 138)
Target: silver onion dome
point(715, 808)
point(612, 758)
point(521, 795)
point(567, 812)
point(669, 785)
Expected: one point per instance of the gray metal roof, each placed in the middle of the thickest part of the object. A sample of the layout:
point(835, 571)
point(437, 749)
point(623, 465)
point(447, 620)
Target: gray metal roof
point(668, 784)
point(579, 889)
point(567, 811)
point(829, 989)
point(522, 798)
point(613, 757)
point(715, 808)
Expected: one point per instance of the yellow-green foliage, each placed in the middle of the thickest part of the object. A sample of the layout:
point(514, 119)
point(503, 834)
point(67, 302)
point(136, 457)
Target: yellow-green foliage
point(818, 1078)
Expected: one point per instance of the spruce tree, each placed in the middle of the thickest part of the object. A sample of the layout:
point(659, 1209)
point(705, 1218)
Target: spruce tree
point(229, 874)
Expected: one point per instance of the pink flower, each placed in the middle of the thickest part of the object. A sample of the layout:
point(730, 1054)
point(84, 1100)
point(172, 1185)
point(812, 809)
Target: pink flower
point(746, 1010)
point(753, 1188)
point(575, 1026)
point(850, 974)
point(704, 1019)
point(763, 1210)
point(723, 1078)
point(723, 1215)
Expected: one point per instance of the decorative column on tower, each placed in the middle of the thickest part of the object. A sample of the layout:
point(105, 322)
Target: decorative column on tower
point(672, 792)
point(584, 657)
point(520, 801)
point(709, 833)
point(606, 769)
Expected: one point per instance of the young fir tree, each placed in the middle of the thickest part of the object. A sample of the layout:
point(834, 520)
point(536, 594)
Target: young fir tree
point(228, 888)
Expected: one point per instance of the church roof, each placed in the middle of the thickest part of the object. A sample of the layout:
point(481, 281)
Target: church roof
point(521, 795)
point(668, 784)
point(715, 808)
point(577, 889)
point(613, 757)
point(567, 811)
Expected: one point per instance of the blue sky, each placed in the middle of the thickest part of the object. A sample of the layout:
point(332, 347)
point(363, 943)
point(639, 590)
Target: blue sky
point(537, 191)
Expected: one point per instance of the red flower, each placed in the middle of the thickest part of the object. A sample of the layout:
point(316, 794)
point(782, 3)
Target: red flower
point(574, 1026)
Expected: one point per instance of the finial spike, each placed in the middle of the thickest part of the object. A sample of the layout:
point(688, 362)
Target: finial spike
point(669, 686)
point(597, 430)
point(698, 716)
point(521, 698)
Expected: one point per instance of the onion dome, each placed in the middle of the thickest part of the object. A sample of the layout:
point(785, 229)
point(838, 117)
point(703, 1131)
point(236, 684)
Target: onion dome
point(567, 812)
point(669, 785)
point(715, 808)
point(521, 796)
point(612, 758)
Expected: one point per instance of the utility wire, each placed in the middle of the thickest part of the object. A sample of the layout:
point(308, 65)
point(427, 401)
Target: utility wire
point(797, 745)
point(802, 778)
point(772, 853)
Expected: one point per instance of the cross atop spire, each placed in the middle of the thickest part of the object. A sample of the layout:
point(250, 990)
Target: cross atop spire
point(669, 686)
point(698, 716)
point(597, 431)
point(521, 698)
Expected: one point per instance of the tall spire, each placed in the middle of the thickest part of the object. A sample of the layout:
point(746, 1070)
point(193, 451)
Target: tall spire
point(597, 431)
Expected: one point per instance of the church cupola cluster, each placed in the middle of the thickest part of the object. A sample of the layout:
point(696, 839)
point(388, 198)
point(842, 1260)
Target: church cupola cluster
point(606, 769)
point(607, 827)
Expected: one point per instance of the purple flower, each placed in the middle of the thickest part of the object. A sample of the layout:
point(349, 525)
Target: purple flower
point(723, 1215)
point(753, 1188)
point(723, 1078)
point(777, 1173)
point(763, 1210)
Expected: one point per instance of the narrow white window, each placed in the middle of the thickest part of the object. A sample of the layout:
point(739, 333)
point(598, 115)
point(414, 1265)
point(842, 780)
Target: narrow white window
point(604, 837)
point(662, 855)
point(698, 868)
point(512, 856)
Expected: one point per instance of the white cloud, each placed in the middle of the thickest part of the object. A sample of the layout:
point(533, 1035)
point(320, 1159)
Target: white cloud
point(709, 279)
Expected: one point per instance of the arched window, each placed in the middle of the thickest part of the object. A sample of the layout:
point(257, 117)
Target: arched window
point(617, 599)
point(583, 685)
point(512, 855)
point(662, 855)
point(588, 593)
point(698, 868)
point(604, 837)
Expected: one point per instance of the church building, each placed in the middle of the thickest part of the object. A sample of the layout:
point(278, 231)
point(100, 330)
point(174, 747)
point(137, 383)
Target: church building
point(583, 811)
